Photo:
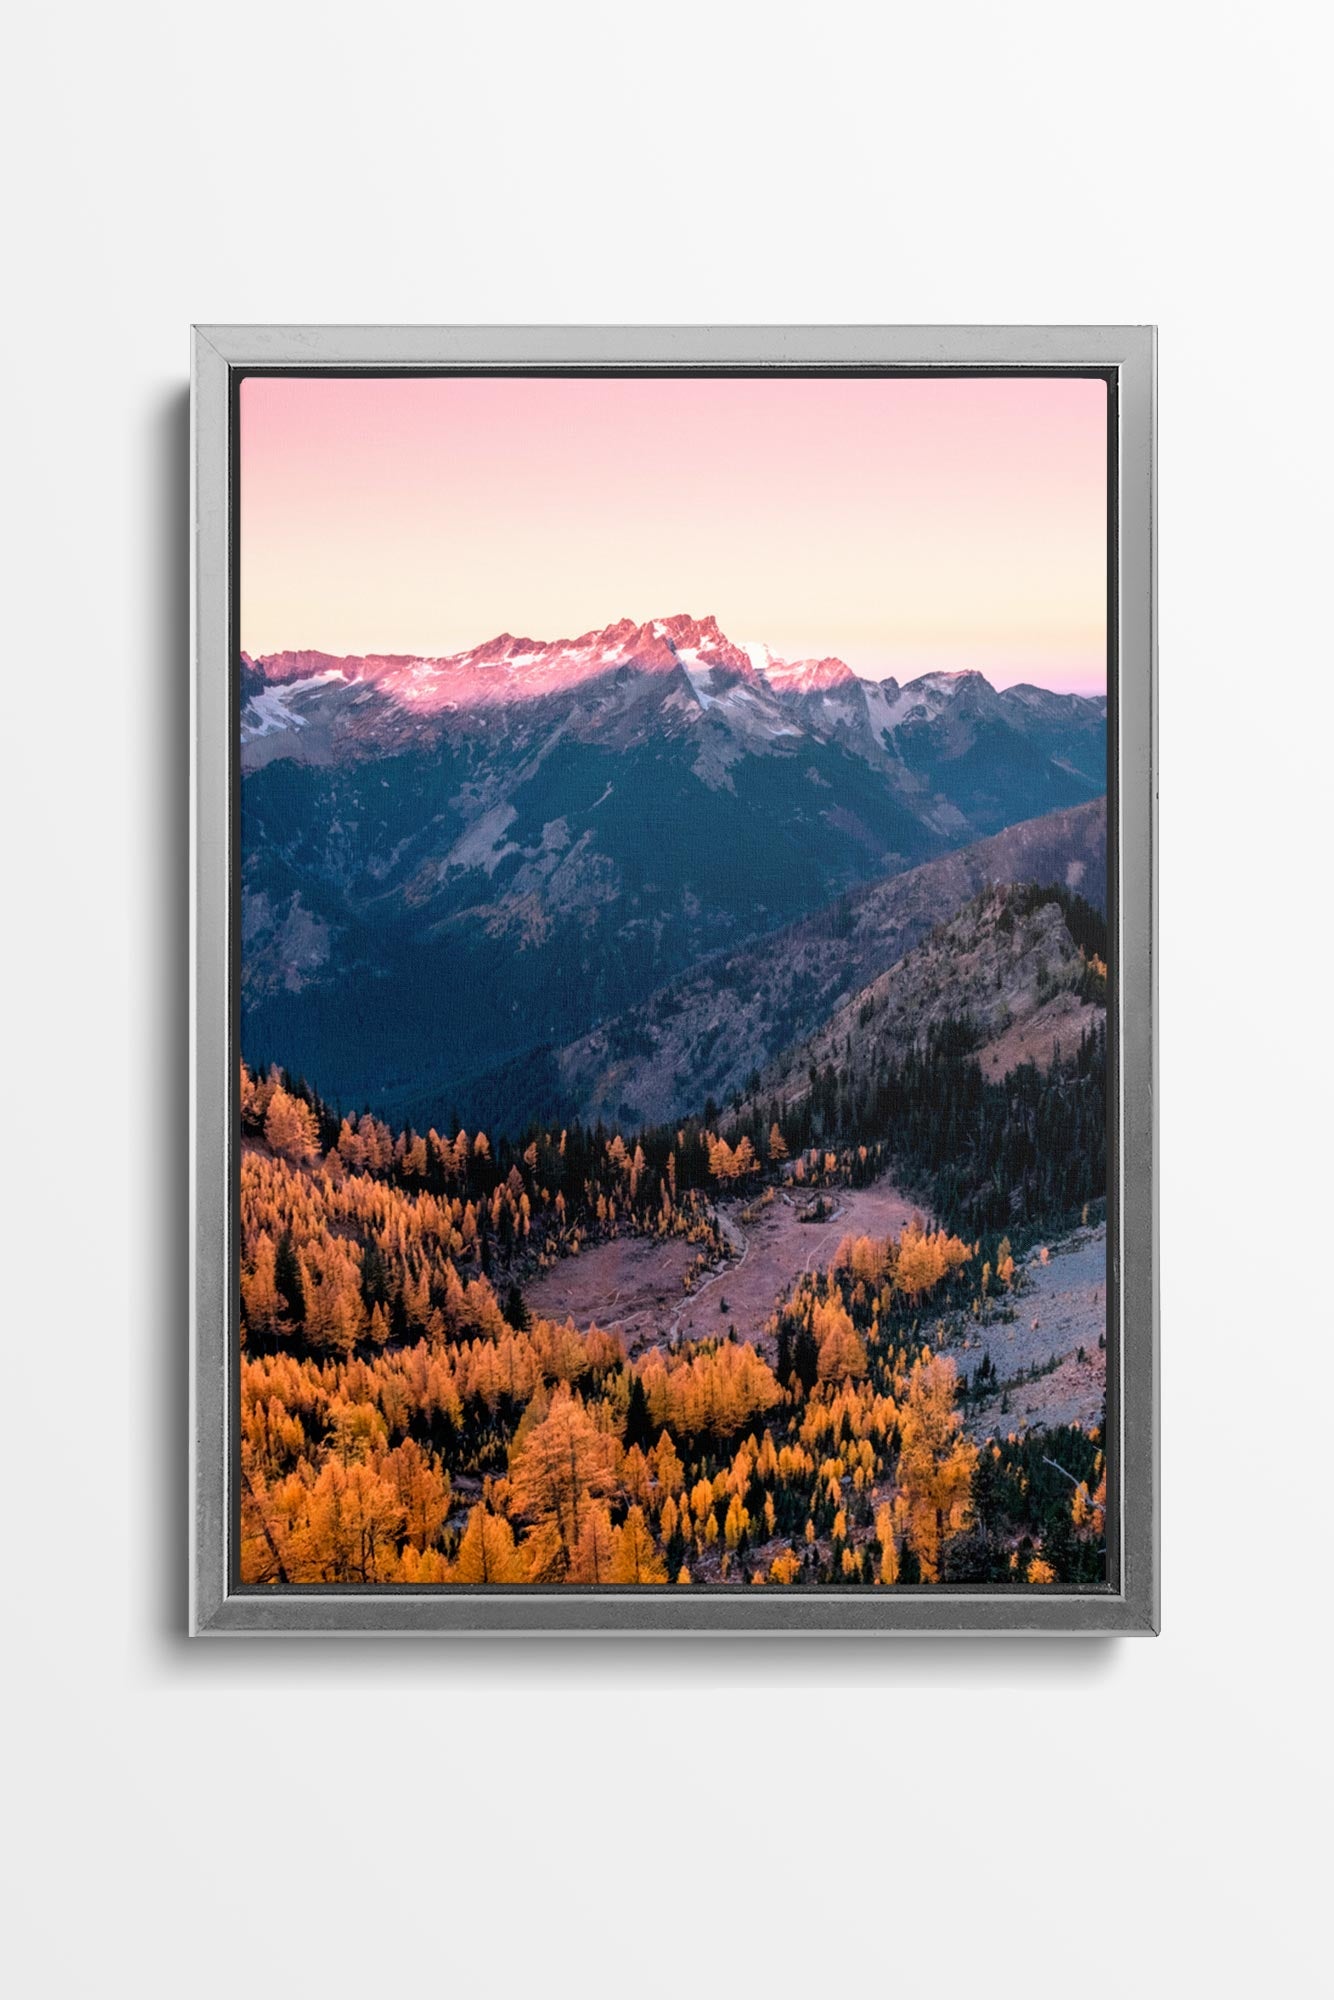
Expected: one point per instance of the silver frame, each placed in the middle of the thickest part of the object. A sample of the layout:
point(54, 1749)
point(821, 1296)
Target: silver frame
point(218, 1606)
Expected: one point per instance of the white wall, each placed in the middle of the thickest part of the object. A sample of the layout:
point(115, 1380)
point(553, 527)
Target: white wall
point(1095, 1819)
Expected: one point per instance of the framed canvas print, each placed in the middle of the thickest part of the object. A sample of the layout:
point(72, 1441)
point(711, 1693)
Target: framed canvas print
point(673, 1131)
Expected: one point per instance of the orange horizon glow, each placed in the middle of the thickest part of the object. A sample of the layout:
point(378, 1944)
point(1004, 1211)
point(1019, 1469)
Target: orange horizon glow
point(903, 525)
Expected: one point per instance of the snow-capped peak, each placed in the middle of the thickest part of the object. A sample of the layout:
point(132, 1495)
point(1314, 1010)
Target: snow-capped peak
point(810, 676)
point(748, 685)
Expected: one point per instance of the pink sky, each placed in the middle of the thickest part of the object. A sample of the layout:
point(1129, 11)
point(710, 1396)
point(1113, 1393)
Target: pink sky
point(903, 525)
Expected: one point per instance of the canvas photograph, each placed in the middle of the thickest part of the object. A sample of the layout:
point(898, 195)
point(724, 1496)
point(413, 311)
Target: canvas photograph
point(671, 898)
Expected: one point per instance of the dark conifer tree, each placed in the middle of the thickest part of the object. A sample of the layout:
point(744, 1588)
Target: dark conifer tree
point(287, 1279)
point(638, 1423)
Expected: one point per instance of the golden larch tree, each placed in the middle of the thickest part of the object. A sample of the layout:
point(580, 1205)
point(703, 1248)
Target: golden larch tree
point(635, 1557)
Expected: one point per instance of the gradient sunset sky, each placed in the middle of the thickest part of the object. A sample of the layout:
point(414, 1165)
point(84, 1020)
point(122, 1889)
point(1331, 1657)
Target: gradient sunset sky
point(903, 525)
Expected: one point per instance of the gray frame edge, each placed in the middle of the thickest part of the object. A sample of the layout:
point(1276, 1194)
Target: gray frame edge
point(1136, 1147)
point(218, 1610)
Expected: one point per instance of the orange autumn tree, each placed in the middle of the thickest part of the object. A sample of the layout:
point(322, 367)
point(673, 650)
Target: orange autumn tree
point(487, 1553)
point(562, 1462)
point(888, 1571)
point(593, 1560)
point(346, 1528)
point(840, 1347)
point(925, 1257)
point(914, 1263)
point(635, 1558)
point(423, 1491)
point(290, 1127)
point(936, 1462)
point(712, 1392)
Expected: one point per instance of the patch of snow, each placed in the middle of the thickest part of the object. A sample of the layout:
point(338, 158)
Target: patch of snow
point(482, 845)
point(922, 700)
point(879, 705)
point(697, 675)
point(268, 711)
point(903, 708)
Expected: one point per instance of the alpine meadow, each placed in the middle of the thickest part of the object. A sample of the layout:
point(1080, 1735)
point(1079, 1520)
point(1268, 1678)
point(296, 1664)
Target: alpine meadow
point(674, 1098)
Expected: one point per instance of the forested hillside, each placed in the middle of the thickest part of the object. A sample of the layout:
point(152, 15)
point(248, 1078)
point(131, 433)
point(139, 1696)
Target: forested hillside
point(404, 1419)
point(910, 1066)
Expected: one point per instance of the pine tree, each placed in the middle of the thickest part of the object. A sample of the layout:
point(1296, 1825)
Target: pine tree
point(288, 1280)
point(638, 1422)
point(806, 1359)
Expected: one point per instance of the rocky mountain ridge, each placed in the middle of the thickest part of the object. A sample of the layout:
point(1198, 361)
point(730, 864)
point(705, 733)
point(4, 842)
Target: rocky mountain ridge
point(310, 706)
point(711, 1031)
point(1005, 963)
point(450, 866)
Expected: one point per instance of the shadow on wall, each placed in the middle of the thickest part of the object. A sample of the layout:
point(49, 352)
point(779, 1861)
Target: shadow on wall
point(670, 1662)
point(166, 1227)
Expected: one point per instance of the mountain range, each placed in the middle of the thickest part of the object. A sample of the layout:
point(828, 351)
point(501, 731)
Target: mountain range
point(451, 865)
